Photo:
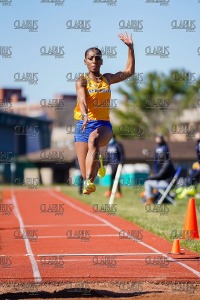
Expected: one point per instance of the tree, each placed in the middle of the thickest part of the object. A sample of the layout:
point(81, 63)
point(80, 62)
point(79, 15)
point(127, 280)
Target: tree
point(157, 102)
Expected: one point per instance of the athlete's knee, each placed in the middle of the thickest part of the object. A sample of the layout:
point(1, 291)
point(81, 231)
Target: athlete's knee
point(93, 141)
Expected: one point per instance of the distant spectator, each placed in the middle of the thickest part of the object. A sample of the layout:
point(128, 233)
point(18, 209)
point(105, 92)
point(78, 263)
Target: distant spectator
point(161, 147)
point(115, 156)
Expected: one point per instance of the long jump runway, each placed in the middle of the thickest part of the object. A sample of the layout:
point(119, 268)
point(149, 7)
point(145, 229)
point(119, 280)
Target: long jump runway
point(46, 236)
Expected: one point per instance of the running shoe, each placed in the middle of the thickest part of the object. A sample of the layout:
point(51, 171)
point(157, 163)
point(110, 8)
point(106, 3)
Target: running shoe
point(102, 170)
point(89, 187)
point(187, 191)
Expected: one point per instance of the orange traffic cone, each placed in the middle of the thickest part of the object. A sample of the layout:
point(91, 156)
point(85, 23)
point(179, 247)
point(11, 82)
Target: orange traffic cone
point(191, 226)
point(176, 249)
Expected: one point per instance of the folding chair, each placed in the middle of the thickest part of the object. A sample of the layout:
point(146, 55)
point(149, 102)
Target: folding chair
point(165, 193)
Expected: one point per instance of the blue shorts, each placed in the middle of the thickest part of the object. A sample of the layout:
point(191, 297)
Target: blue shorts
point(80, 136)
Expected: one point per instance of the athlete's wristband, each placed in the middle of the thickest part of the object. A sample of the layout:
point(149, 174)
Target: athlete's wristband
point(84, 115)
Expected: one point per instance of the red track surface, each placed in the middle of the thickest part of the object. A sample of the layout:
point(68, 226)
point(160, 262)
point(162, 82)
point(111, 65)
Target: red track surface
point(53, 256)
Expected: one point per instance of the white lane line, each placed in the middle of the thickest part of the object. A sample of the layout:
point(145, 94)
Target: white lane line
point(116, 259)
point(71, 238)
point(63, 199)
point(70, 225)
point(36, 272)
point(97, 254)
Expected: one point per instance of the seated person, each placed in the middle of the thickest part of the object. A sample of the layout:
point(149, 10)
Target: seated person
point(161, 179)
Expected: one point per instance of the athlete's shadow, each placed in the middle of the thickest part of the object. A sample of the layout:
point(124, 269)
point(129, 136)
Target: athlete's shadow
point(74, 293)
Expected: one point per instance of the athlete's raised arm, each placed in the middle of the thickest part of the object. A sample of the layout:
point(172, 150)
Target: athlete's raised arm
point(130, 66)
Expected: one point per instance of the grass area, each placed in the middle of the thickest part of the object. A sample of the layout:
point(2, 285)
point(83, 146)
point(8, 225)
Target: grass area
point(131, 208)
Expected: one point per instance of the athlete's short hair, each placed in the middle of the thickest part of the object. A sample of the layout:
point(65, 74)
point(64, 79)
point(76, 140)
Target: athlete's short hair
point(93, 48)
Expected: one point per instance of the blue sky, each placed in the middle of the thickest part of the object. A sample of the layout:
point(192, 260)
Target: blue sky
point(104, 21)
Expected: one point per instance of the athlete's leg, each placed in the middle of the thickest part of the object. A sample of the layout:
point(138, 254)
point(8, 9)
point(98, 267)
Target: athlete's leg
point(98, 138)
point(81, 151)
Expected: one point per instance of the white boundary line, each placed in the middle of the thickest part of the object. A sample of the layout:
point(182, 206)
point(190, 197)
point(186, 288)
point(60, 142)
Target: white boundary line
point(98, 254)
point(117, 259)
point(62, 225)
point(63, 199)
point(36, 272)
point(80, 238)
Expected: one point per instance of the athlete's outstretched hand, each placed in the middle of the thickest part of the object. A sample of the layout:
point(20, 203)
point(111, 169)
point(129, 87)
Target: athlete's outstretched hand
point(127, 40)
